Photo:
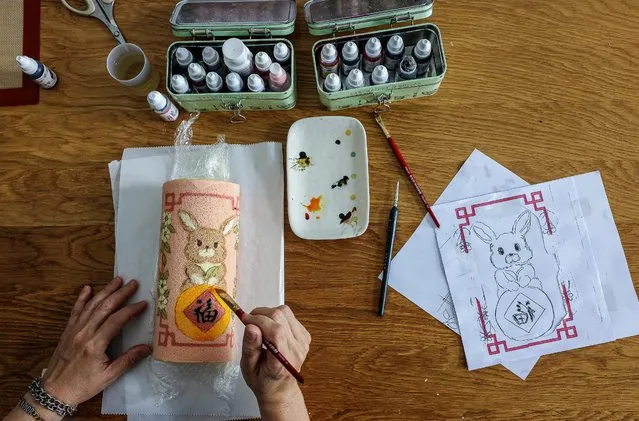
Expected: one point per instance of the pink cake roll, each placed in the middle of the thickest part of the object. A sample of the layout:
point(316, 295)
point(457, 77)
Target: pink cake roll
point(199, 238)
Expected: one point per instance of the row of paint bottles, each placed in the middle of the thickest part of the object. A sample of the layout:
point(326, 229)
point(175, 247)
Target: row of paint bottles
point(355, 79)
point(210, 59)
point(238, 59)
point(278, 81)
point(394, 59)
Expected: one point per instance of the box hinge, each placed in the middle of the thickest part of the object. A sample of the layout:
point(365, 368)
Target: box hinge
point(343, 28)
point(260, 32)
point(404, 17)
point(202, 33)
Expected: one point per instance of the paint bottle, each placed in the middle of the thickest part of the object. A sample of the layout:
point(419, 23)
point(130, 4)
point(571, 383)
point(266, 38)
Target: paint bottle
point(180, 85)
point(329, 60)
point(278, 80)
point(212, 60)
point(355, 79)
point(183, 57)
point(163, 106)
point(423, 53)
point(237, 57)
point(255, 83)
point(263, 64)
point(37, 72)
point(350, 57)
point(234, 82)
point(197, 74)
point(332, 83)
point(379, 75)
point(372, 54)
point(394, 52)
point(407, 68)
point(214, 82)
point(282, 55)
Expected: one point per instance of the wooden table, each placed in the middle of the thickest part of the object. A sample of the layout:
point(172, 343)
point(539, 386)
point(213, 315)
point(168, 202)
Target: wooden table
point(547, 88)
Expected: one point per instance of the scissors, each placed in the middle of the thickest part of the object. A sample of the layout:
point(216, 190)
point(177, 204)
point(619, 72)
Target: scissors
point(100, 9)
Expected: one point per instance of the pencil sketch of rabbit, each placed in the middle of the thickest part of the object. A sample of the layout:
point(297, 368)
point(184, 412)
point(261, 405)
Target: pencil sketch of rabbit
point(510, 254)
point(205, 250)
point(523, 311)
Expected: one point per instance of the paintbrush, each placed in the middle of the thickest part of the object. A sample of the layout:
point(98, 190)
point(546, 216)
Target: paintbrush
point(404, 164)
point(265, 342)
point(388, 256)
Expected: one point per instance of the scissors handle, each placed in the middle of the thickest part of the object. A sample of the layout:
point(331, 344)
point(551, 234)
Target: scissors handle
point(90, 9)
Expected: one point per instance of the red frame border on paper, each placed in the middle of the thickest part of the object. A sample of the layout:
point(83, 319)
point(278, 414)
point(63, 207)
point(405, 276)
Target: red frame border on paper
point(493, 345)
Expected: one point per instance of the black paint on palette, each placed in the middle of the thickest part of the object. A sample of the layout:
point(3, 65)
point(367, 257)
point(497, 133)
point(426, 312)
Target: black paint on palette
point(347, 218)
point(341, 182)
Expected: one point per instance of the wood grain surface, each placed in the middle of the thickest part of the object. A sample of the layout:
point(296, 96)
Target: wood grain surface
point(547, 88)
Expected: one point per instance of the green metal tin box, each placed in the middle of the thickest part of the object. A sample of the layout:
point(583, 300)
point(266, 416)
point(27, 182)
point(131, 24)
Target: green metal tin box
point(256, 22)
point(331, 17)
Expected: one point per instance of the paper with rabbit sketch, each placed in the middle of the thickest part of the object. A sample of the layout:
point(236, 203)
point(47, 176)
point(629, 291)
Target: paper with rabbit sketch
point(522, 274)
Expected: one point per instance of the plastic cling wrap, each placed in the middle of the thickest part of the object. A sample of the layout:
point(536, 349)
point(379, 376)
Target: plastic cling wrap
point(195, 341)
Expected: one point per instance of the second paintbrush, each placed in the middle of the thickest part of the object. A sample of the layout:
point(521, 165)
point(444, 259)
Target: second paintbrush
point(390, 242)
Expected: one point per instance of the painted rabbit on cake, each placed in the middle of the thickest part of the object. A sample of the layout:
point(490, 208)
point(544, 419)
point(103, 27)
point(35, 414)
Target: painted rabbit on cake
point(523, 310)
point(205, 250)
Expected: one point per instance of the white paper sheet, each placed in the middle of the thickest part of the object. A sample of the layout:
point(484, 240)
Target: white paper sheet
point(516, 263)
point(258, 169)
point(480, 175)
point(417, 272)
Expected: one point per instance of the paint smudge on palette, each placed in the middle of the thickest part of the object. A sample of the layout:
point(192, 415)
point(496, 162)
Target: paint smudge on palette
point(353, 154)
point(348, 218)
point(302, 162)
point(342, 182)
point(314, 205)
point(348, 132)
point(338, 142)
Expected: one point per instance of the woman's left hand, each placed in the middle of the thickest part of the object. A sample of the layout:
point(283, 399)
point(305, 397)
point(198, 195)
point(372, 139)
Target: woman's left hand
point(80, 368)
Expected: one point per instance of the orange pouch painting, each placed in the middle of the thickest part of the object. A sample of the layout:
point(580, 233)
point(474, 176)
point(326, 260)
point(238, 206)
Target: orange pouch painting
point(199, 238)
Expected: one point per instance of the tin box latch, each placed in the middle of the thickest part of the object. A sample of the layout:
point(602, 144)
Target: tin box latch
point(237, 117)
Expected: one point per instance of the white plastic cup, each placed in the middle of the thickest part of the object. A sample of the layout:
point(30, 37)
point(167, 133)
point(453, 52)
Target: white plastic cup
point(128, 64)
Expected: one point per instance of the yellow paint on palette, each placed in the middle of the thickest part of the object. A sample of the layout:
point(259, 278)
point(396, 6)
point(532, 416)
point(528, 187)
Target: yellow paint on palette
point(353, 197)
point(348, 132)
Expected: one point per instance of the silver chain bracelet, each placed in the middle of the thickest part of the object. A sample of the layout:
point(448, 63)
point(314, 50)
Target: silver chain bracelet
point(49, 402)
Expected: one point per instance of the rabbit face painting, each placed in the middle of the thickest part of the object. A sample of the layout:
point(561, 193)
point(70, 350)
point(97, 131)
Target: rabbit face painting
point(510, 248)
point(523, 310)
point(205, 250)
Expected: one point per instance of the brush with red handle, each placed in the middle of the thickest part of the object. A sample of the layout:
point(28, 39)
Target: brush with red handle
point(265, 342)
point(404, 164)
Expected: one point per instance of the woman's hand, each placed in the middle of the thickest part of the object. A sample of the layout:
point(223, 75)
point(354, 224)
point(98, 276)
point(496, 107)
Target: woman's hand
point(277, 391)
point(80, 368)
